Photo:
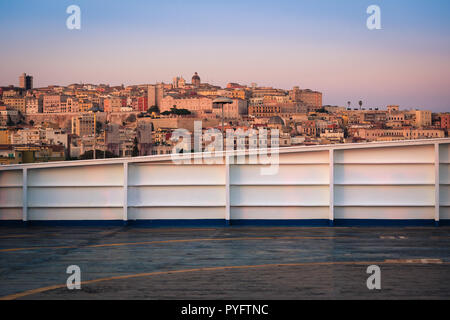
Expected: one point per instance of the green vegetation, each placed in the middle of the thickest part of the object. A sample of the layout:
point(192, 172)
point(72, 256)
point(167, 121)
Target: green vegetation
point(152, 109)
point(176, 111)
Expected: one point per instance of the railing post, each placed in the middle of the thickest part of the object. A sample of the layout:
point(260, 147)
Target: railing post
point(125, 192)
point(436, 184)
point(24, 195)
point(331, 187)
point(227, 191)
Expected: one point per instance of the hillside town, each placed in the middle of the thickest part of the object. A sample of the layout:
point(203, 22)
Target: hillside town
point(58, 123)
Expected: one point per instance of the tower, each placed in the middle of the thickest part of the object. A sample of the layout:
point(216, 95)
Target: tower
point(26, 82)
point(155, 95)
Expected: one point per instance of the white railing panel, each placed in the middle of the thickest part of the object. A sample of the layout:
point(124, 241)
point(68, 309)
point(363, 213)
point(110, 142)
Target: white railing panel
point(287, 174)
point(172, 196)
point(444, 213)
point(11, 178)
point(77, 176)
point(70, 214)
point(384, 195)
point(74, 197)
point(384, 174)
point(304, 157)
point(182, 213)
point(444, 173)
point(279, 213)
point(371, 181)
point(279, 196)
point(406, 154)
point(444, 195)
point(10, 197)
point(444, 153)
point(385, 213)
point(11, 214)
point(172, 174)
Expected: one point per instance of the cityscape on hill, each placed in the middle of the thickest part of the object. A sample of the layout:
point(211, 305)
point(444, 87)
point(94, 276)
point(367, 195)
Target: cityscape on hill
point(57, 123)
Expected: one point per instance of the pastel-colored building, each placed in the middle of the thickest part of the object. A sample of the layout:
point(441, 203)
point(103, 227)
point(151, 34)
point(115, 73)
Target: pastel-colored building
point(423, 118)
point(16, 103)
point(54, 103)
point(84, 124)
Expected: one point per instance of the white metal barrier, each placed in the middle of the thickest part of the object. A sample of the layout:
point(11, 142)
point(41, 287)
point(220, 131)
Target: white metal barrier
point(392, 181)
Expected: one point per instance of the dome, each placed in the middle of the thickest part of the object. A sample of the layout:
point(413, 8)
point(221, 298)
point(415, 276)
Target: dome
point(276, 120)
point(195, 77)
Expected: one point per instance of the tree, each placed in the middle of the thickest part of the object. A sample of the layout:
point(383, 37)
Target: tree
point(31, 122)
point(131, 118)
point(135, 152)
point(153, 109)
point(174, 110)
point(9, 122)
point(360, 104)
point(180, 112)
point(98, 127)
point(323, 110)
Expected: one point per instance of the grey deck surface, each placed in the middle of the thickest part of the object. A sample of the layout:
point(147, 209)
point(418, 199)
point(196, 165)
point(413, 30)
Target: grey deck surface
point(194, 263)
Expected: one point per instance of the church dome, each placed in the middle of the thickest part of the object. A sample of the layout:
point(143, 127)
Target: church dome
point(195, 77)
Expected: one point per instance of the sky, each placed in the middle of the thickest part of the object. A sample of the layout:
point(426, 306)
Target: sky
point(323, 45)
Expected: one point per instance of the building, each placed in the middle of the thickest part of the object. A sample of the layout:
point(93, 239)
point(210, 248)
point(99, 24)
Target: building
point(8, 116)
point(8, 155)
point(71, 105)
point(25, 81)
point(84, 105)
point(264, 111)
point(32, 154)
point(56, 137)
point(16, 103)
point(27, 136)
point(34, 105)
point(445, 121)
point(112, 138)
point(312, 99)
point(234, 110)
point(423, 118)
point(179, 82)
point(197, 105)
point(5, 137)
point(114, 104)
point(142, 104)
point(371, 134)
point(294, 94)
point(267, 91)
point(155, 94)
point(54, 103)
point(393, 109)
point(144, 138)
point(84, 124)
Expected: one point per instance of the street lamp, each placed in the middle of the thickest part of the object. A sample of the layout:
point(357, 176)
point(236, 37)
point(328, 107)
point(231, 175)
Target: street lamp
point(222, 101)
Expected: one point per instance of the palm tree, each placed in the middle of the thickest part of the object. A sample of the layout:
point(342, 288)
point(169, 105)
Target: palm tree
point(360, 104)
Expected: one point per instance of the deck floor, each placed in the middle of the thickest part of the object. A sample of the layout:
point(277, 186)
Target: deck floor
point(224, 263)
